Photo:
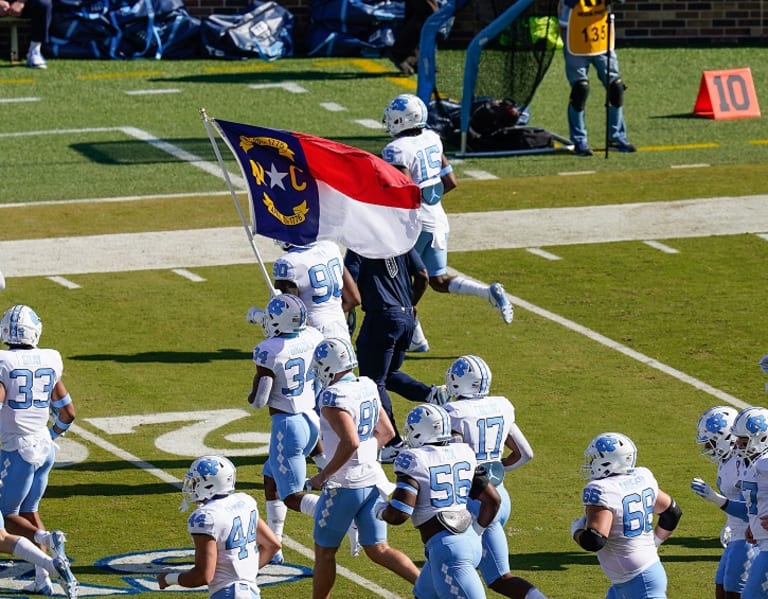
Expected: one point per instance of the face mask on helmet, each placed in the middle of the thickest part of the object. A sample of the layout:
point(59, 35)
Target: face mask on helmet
point(714, 434)
point(209, 476)
point(469, 377)
point(751, 430)
point(609, 454)
point(427, 424)
point(405, 112)
point(285, 313)
point(332, 356)
point(20, 325)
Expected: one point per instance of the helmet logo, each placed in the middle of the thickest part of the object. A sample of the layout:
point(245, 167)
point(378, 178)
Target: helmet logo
point(460, 368)
point(321, 351)
point(757, 424)
point(605, 444)
point(399, 103)
point(207, 468)
point(415, 416)
point(277, 307)
point(716, 423)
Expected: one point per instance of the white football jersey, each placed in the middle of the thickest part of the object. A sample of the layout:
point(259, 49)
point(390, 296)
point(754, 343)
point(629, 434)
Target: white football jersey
point(484, 424)
point(422, 156)
point(232, 521)
point(28, 376)
point(630, 546)
point(444, 474)
point(358, 397)
point(754, 488)
point(728, 477)
point(290, 358)
point(318, 272)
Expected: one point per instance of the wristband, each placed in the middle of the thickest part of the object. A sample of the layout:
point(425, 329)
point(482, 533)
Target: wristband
point(446, 170)
point(172, 578)
point(60, 403)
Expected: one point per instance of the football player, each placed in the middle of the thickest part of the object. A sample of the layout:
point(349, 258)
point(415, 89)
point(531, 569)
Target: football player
point(231, 541)
point(714, 434)
point(316, 273)
point(418, 152)
point(751, 431)
point(487, 424)
point(619, 501)
point(30, 390)
point(283, 382)
point(435, 479)
point(353, 427)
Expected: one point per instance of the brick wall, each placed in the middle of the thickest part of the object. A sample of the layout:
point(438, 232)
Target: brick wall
point(638, 22)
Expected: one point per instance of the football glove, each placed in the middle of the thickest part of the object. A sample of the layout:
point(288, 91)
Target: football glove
point(578, 524)
point(704, 491)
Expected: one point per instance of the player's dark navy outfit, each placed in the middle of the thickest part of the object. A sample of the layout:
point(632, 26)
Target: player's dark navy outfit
point(387, 293)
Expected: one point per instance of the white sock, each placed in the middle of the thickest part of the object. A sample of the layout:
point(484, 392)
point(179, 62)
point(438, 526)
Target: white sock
point(42, 537)
point(535, 593)
point(35, 46)
point(464, 286)
point(418, 334)
point(41, 576)
point(29, 552)
point(276, 514)
point(309, 504)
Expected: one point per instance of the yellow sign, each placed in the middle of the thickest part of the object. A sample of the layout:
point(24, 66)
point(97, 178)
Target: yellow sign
point(588, 29)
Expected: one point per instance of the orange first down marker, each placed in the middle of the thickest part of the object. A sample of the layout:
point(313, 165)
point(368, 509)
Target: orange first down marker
point(728, 94)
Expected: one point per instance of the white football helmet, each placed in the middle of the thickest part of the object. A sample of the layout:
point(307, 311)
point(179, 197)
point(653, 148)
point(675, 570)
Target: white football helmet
point(332, 356)
point(405, 112)
point(468, 378)
point(609, 454)
point(208, 476)
point(752, 424)
point(20, 325)
point(713, 433)
point(427, 423)
point(285, 313)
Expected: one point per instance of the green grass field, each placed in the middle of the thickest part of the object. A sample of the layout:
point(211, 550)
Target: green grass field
point(159, 366)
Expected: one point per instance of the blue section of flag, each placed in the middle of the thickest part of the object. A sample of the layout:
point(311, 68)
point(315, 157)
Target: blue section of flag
point(284, 197)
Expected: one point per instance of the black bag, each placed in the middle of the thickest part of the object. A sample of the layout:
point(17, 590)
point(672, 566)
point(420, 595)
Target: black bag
point(264, 30)
point(511, 138)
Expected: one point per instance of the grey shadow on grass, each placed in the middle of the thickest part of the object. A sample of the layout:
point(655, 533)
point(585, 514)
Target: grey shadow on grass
point(168, 357)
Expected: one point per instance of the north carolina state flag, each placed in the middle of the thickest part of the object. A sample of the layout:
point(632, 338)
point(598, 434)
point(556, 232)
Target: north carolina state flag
point(304, 188)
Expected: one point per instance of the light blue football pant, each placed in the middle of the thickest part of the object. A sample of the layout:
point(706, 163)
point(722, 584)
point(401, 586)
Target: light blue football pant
point(238, 590)
point(450, 567)
point(337, 508)
point(495, 561)
point(577, 69)
point(756, 586)
point(23, 484)
point(733, 569)
point(293, 437)
point(651, 583)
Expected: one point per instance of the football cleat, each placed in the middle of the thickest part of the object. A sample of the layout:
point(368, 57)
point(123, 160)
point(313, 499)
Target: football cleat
point(278, 559)
point(56, 542)
point(35, 60)
point(498, 298)
point(39, 588)
point(418, 348)
point(68, 580)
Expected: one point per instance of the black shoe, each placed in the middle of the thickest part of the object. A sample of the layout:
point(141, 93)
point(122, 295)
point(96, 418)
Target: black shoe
point(622, 146)
point(583, 150)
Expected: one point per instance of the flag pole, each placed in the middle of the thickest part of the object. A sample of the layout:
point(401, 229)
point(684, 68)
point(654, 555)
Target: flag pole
point(209, 130)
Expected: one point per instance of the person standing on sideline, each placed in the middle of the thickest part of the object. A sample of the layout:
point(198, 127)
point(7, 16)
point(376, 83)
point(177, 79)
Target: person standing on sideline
point(487, 424)
point(714, 434)
point(30, 389)
point(283, 382)
point(435, 480)
point(404, 53)
point(316, 273)
point(40, 13)
point(353, 428)
point(585, 26)
point(232, 543)
point(418, 152)
point(390, 288)
point(619, 502)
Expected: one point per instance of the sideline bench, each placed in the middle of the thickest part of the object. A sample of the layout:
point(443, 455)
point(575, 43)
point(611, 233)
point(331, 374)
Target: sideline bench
point(13, 23)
